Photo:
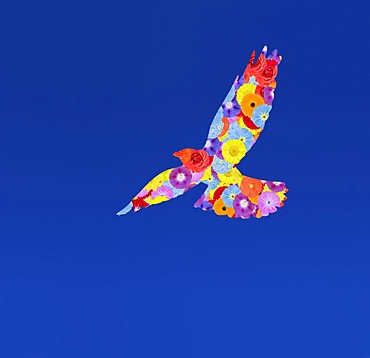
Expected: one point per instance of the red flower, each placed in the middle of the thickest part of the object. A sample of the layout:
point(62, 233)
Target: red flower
point(140, 202)
point(269, 73)
point(194, 160)
point(249, 123)
point(254, 69)
point(217, 194)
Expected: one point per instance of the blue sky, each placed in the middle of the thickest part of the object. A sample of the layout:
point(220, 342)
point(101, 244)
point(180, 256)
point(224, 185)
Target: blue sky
point(95, 98)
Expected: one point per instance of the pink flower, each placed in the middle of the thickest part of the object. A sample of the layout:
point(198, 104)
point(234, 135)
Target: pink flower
point(163, 191)
point(268, 202)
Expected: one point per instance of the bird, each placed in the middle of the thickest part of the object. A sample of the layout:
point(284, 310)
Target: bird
point(235, 128)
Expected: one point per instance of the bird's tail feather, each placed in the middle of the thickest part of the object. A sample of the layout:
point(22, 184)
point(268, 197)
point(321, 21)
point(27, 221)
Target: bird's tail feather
point(165, 186)
point(239, 196)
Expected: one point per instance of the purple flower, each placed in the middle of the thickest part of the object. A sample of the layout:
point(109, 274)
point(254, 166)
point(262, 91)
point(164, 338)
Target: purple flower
point(180, 177)
point(238, 82)
point(231, 109)
point(163, 191)
point(206, 205)
point(197, 176)
point(275, 186)
point(203, 203)
point(212, 146)
point(274, 56)
point(268, 202)
point(268, 95)
point(243, 207)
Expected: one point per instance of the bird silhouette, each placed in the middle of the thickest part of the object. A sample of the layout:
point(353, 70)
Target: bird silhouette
point(235, 128)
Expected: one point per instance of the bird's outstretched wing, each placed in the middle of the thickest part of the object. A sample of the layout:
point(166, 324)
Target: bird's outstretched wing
point(239, 196)
point(243, 114)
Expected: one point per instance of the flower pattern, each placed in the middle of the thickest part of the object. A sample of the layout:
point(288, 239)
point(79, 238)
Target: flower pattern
point(235, 128)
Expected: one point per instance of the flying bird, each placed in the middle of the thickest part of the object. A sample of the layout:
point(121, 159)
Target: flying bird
point(235, 128)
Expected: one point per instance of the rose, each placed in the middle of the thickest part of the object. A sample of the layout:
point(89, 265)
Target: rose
point(267, 76)
point(194, 160)
point(254, 69)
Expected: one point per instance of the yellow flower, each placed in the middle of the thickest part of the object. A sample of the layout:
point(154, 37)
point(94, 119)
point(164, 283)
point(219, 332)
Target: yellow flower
point(207, 176)
point(157, 181)
point(243, 90)
point(156, 200)
point(233, 151)
point(280, 194)
point(231, 177)
point(242, 125)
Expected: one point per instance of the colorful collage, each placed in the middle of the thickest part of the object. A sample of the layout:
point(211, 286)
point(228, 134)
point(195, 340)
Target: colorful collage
point(235, 128)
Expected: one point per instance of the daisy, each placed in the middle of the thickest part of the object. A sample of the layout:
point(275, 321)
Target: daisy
point(242, 134)
point(231, 177)
point(233, 151)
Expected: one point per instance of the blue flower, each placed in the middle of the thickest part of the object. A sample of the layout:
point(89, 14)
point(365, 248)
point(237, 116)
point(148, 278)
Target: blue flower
point(176, 191)
point(242, 134)
point(221, 165)
point(252, 80)
point(125, 210)
point(229, 195)
point(230, 95)
point(212, 183)
point(261, 114)
point(217, 124)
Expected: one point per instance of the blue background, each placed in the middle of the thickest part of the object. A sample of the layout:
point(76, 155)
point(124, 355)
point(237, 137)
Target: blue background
point(95, 98)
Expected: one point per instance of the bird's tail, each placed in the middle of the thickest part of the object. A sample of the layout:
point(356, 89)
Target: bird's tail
point(239, 196)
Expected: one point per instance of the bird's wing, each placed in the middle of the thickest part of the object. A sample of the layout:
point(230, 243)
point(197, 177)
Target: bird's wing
point(165, 186)
point(243, 114)
point(239, 196)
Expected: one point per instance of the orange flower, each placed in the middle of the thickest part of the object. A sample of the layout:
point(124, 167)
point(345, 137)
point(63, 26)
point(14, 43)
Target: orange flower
point(194, 160)
point(226, 126)
point(251, 187)
point(250, 102)
point(221, 209)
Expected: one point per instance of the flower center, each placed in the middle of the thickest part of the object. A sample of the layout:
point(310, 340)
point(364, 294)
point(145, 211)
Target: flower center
point(234, 151)
point(253, 105)
point(229, 105)
point(208, 144)
point(264, 116)
point(232, 196)
point(180, 177)
point(251, 186)
point(244, 203)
